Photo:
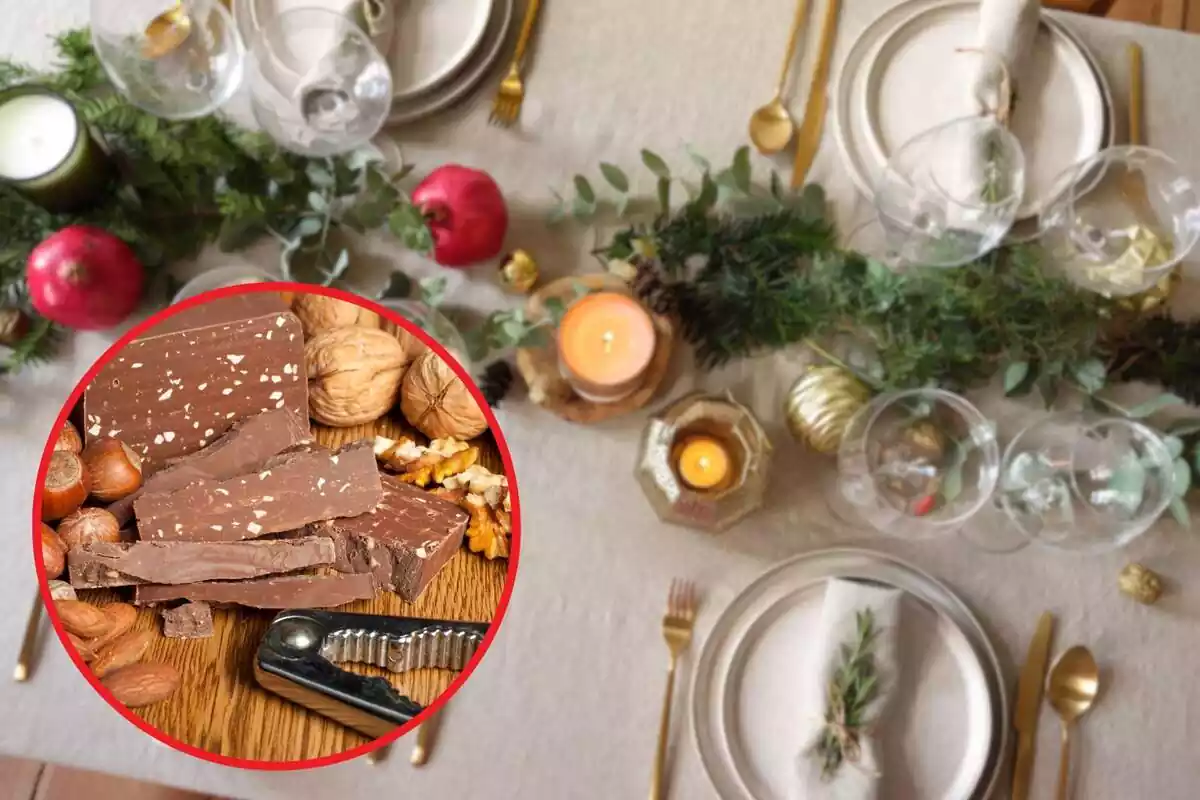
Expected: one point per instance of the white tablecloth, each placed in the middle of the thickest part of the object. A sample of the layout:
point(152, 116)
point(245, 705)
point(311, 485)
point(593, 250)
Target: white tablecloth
point(565, 705)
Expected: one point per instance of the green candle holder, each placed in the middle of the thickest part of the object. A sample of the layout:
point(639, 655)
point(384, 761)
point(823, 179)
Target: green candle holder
point(736, 428)
point(38, 125)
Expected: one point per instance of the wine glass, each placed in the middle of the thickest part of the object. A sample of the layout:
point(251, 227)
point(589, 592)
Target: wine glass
point(1080, 481)
point(918, 463)
point(177, 60)
point(317, 84)
point(1121, 220)
point(949, 195)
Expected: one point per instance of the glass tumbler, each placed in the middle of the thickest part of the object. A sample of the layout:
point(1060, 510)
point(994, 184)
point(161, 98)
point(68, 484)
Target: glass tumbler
point(1085, 482)
point(950, 194)
point(918, 463)
point(317, 84)
point(176, 60)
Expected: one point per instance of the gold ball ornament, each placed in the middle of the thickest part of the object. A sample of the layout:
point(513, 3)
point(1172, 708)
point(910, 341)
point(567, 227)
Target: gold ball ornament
point(518, 271)
point(1141, 584)
point(820, 404)
point(1153, 299)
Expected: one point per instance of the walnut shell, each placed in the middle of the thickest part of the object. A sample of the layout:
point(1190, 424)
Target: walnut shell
point(319, 313)
point(437, 403)
point(354, 375)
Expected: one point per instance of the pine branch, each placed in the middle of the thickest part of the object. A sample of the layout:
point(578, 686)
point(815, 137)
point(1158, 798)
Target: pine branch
point(38, 346)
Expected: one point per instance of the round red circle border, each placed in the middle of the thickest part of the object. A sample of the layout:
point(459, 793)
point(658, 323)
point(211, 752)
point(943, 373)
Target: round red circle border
point(390, 316)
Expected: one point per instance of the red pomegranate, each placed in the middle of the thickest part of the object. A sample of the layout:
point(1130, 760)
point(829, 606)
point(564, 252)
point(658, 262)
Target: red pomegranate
point(84, 278)
point(466, 213)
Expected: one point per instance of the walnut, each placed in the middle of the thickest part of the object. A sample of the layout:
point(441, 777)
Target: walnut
point(1142, 584)
point(354, 375)
point(437, 403)
point(319, 313)
point(484, 534)
point(397, 453)
point(479, 480)
point(433, 468)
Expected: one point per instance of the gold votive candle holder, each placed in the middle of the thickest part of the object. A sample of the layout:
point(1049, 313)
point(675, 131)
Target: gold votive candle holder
point(717, 433)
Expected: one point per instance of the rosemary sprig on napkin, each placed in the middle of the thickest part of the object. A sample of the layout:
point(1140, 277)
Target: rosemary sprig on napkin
point(854, 685)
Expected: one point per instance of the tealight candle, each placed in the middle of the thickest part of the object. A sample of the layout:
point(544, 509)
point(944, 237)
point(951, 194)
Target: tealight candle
point(46, 150)
point(605, 343)
point(703, 463)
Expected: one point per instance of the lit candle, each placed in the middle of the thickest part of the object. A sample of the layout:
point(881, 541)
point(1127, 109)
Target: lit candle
point(703, 462)
point(605, 343)
point(46, 150)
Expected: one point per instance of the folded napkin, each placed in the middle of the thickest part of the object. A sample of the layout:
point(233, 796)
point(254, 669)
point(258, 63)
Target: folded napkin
point(844, 601)
point(1007, 29)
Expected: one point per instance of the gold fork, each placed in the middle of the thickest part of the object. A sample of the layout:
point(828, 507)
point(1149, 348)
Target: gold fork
point(507, 106)
point(677, 630)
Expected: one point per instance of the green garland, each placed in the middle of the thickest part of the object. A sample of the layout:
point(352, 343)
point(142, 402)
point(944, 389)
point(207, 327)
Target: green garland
point(187, 184)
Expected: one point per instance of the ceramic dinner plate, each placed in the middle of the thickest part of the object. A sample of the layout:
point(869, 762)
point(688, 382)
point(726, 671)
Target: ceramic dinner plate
point(466, 77)
point(433, 39)
point(944, 733)
point(904, 75)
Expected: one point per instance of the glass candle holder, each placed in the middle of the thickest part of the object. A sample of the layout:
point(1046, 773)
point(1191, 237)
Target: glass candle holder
point(605, 343)
point(704, 462)
point(47, 152)
point(436, 324)
point(221, 278)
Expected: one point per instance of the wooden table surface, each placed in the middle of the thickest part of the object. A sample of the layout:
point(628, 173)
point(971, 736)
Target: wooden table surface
point(220, 708)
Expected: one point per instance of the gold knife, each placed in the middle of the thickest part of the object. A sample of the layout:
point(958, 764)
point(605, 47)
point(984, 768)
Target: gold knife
point(808, 138)
point(1029, 704)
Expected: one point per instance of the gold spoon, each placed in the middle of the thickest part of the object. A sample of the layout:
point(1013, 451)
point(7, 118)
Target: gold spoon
point(771, 126)
point(1071, 689)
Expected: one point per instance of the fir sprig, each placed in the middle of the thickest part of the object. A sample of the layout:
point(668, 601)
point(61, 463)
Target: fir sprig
point(854, 686)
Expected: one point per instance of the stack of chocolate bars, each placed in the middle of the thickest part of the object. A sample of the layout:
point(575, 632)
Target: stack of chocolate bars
point(239, 505)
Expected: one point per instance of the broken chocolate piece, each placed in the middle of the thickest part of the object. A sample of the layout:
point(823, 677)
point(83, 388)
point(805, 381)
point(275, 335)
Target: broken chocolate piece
point(295, 591)
point(188, 379)
point(102, 564)
point(290, 491)
point(188, 621)
point(243, 448)
point(403, 543)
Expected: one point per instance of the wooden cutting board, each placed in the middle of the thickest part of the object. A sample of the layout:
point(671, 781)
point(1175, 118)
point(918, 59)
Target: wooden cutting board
point(221, 709)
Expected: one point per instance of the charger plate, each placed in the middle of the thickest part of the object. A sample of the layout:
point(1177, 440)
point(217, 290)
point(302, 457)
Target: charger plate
point(433, 40)
point(944, 735)
point(893, 85)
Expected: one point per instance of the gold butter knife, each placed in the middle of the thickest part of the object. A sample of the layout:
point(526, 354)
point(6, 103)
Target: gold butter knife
point(1029, 704)
point(808, 138)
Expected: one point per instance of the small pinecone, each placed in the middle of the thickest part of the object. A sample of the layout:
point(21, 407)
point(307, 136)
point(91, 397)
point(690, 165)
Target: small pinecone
point(495, 382)
point(649, 286)
point(14, 324)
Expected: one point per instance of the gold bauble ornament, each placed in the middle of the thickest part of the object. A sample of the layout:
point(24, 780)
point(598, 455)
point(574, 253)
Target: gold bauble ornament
point(1154, 299)
point(820, 404)
point(518, 271)
point(1142, 584)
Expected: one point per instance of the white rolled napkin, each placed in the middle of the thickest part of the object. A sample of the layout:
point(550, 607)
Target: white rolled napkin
point(844, 599)
point(1007, 29)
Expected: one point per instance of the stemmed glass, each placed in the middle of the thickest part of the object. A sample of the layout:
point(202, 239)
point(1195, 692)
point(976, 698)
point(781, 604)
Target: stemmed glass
point(1079, 481)
point(1121, 220)
point(317, 84)
point(918, 463)
point(950, 194)
point(176, 60)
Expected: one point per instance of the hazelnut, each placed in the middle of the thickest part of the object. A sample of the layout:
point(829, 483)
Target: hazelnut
point(66, 485)
point(89, 525)
point(68, 439)
point(54, 552)
point(116, 471)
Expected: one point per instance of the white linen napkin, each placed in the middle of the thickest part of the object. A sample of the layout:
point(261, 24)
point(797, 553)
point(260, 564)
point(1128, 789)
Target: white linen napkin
point(1007, 29)
point(843, 600)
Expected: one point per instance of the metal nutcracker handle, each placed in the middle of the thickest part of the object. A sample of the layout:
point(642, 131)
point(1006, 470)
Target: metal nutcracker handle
point(298, 658)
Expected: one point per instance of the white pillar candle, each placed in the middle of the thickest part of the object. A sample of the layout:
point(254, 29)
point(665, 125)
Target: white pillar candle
point(37, 133)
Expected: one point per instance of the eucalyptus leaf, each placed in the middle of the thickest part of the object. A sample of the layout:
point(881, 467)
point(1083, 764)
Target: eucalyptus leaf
point(308, 226)
point(1174, 445)
point(403, 172)
point(777, 190)
point(615, 176)
point(1184, 427)
point(707, 197)
point(1181, 477)
point(318, 175)
point(1090, 375)
point(700, 161)
point(621, 205)
point(1151, 407)
point(1014, 376)
point(655, 164)
point(1179, 511)
point(555, 308)
point(557, 214)
point(339, 267)
point(317, 202)
point(584, 190)
point(741, 168)
point(664, 195)
point(582, 209)
point(432, 290)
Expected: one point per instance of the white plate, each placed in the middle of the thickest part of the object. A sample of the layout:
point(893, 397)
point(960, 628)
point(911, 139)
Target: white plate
point(948, 723)
point(433, 39)
point(894, 85)
point(467, 77)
